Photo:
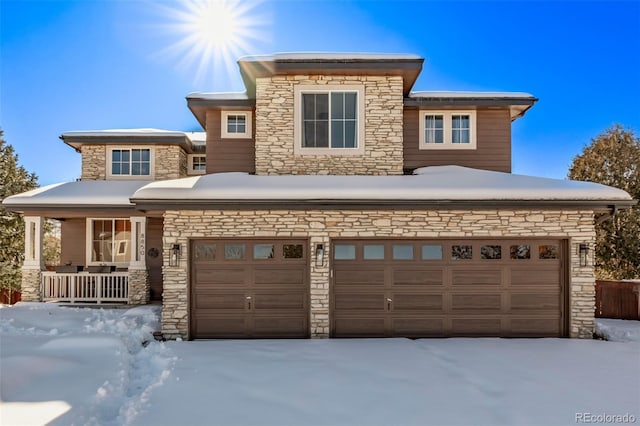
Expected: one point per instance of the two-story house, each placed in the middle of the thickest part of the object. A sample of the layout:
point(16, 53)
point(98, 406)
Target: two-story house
point(327, 200)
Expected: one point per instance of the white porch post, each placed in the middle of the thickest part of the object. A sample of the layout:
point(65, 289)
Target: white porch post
point(33, 262)
point(138, 274)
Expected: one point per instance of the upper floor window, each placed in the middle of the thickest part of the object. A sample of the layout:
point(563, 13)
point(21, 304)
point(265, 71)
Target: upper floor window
point(130, 162)
point(197, 164)
point(329, 120)
point(447, 130)
point(236, 124)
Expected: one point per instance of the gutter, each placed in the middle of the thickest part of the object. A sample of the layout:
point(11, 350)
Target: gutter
point(173, 204)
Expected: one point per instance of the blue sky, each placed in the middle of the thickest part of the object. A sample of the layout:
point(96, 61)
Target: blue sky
point(98, 64)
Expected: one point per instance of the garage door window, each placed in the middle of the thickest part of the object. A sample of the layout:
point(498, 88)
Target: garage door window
point(519, 252)
point(345, 252)
point(402, 252)
point(234, 251)
point(432, 252)
point(292, 251)
point(548, 252)
point(373, 252)
point(204, 252)
point(461, 252)
point(263, 251)
point(491, 252)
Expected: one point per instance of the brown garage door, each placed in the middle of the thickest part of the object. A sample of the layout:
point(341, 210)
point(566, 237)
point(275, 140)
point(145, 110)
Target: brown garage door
point(423, 288)
point(249, 289)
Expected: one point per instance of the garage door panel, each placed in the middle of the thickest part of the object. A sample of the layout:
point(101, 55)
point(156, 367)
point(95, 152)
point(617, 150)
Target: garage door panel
point(535, 302)
point(222, 301)
point(221, 327)
point(476, 302)
point(476, 277)
point(281, 301)
point(373, 276)
point(219, 276)
point(529, 277)
point(417, 302)
point(478, 326)
point(535, 326)
point(359, 327)
point(422, 277)
point(279, 326)
point(360, 301)
point(279, 277)
point(417, 327)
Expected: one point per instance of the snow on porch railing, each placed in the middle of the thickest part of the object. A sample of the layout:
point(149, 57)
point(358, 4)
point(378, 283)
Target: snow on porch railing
point(85, 287)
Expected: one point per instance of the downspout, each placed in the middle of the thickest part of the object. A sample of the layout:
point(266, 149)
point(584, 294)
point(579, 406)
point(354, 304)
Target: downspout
point(611, 213)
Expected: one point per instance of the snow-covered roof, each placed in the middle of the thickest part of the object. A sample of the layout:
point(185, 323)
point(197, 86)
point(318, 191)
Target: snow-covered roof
point(197, 138)
point(328, 56)
point(437, 184)
point(473, 95)
point(123, 132)
point(79, 194)
point(235, 96)
point(429, 184)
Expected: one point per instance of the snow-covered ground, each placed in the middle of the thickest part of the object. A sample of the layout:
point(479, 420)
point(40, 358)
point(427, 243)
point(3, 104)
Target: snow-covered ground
point(102, 367)
point(616, 330)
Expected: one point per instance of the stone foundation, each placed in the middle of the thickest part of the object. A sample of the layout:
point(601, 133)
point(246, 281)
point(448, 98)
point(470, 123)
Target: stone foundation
point(320, 226)
point(138, 287)
point(31, 285)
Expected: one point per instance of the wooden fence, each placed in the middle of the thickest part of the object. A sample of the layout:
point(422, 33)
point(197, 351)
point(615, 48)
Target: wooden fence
point(617, 299)
point(9, 297)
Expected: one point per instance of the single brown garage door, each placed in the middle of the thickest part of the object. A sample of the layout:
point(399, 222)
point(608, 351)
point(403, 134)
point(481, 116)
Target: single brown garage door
point(424, 288)
point(249, 289)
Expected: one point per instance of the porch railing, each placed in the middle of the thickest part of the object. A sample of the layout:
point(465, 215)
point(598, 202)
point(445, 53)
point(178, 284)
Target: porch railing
point(85, 287)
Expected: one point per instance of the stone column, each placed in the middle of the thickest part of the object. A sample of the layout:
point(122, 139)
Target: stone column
point(138, 274)
point(33, 263)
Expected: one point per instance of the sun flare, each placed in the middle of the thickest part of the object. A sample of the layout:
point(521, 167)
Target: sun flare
point(212, 35)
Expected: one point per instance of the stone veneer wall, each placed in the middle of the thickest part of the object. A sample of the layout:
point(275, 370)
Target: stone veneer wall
point(138, 286)
point(94, 162)
point(31, 288)
point(274, 140)
point(170, 161)
point(319, 226)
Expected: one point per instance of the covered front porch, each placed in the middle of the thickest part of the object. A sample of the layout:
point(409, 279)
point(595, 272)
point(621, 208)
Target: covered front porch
point(109, 252)
point(103, 260)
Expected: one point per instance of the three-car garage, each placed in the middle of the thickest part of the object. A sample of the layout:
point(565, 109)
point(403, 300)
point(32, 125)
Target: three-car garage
point(260, 288)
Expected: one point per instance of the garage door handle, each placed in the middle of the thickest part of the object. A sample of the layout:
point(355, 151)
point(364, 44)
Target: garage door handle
point(249, 302)
point(389, 304)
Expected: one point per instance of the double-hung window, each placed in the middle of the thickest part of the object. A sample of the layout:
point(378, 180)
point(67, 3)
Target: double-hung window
point(447, 130)
point(197, 164)
point(329, 120)
point(130, 162)
point(236, 125)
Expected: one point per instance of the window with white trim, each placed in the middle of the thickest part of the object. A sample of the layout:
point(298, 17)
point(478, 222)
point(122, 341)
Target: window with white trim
point(197, 164)
point(130, 162)
point(329, 120)
point(236, 124)
point(447, 130)
point(109, 241)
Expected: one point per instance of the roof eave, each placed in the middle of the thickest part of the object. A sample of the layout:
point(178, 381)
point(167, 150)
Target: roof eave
point(199, 106)
point(192, 204)
point(512, 103)
point(76, 142)
point(409, 69)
